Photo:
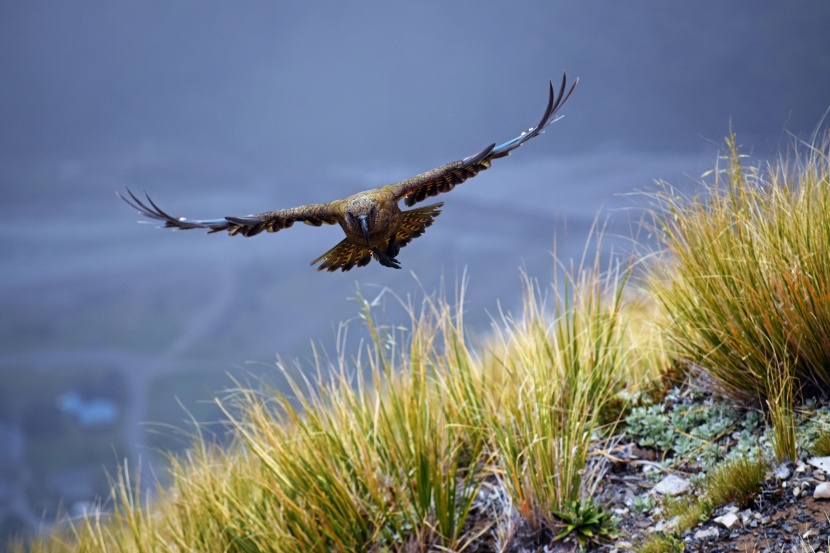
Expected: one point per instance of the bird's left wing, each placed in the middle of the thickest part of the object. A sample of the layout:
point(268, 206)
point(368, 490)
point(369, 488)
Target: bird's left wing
point(444, 178)
point(272, 221)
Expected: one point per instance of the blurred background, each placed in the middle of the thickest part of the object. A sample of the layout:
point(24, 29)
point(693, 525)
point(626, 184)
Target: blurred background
point(115, 335)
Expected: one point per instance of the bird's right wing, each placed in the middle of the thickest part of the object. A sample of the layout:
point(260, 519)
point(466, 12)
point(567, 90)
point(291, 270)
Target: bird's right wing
point(272, 221)
point(444, 178)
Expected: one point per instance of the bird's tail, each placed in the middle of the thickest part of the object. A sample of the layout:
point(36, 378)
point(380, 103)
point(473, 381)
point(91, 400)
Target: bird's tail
point(343, 256)
point(415, 222)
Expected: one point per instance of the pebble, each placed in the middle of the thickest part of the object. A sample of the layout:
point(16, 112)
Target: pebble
point(821, 463)
point(706, 533)
point(672, 485)
point(783, 471)
point(822, 491)
point(728, 520)
point(665, 525)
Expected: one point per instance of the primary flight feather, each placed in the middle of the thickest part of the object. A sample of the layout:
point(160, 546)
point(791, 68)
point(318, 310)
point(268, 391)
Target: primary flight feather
point(375, 226)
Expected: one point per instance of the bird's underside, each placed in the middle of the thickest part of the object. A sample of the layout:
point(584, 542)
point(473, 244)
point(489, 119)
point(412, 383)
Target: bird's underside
point(374, 225)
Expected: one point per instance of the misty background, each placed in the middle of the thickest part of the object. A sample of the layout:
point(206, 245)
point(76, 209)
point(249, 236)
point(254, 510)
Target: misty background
point(115, 334)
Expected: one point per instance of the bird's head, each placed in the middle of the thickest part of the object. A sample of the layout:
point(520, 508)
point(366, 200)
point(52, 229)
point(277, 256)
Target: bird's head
point(360, 215)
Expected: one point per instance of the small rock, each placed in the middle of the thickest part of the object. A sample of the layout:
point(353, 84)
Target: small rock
point(783, 471)
point(732, 509)
point(822, 491)
point(672, 485)
point(801, 468)
point(765, 520)
point(706, 533)
point(821, 463)
point(728, 520)
point(819, 475)
point(796, 491)
point(665, 525)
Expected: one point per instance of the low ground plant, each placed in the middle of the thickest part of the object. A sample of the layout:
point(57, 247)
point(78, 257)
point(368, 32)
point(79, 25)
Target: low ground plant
point(587, 521)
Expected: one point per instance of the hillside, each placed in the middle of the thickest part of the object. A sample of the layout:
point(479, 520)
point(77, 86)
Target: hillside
point(706, 360)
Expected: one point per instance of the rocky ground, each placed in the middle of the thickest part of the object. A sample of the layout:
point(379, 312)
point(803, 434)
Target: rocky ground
point(664, 451)
point(790, 513)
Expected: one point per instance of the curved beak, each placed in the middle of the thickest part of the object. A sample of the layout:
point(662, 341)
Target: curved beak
point(364, 226)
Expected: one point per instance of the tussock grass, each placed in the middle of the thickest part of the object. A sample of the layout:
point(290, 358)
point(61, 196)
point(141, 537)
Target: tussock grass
point(391, 450)
point(737, 480)
point(689, 511)
point(388, 451)
point(748, 270)
point(781, 405)
point(563, 374)
point(660, 542)
point(821, 445)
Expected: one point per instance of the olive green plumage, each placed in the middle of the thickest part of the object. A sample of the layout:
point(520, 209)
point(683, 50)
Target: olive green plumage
point(374, 225)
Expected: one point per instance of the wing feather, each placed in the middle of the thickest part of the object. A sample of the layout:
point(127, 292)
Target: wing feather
point(415, 222)
point(251, 225)
point(445, 178)
point(343, 256)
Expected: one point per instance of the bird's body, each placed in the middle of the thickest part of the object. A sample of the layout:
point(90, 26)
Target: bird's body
point(374, 224)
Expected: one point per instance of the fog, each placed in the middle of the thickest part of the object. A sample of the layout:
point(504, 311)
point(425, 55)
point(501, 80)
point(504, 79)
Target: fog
point(220, 108)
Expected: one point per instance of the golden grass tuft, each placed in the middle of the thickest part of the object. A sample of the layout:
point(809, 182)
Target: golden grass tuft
point(745, 281)
point(387, 451)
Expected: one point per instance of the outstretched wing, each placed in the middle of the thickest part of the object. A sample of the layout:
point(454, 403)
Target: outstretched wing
point(444, 178)
point(272, 221)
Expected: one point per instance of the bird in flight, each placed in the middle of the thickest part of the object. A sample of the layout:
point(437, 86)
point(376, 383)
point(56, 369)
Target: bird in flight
point(375, 226)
